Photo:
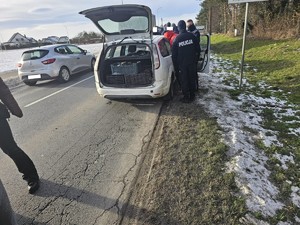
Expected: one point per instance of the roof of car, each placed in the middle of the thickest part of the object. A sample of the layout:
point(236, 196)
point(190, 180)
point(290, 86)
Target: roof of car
point(48, 47)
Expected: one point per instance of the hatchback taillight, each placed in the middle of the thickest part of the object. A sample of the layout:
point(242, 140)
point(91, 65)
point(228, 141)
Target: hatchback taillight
point(156, 57)
point(48, 61)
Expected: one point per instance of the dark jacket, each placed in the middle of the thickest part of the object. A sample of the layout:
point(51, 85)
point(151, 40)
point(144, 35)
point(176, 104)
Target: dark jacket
point(185, 50)
point(192, 29)
point(8, 100)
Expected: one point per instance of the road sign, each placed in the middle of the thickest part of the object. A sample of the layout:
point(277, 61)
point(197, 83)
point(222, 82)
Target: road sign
point(244, 1)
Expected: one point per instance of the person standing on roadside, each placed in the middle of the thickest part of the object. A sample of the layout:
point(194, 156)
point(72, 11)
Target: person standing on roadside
point(6, 213)
point(7, 142)
point(192, 28)
point(185, 54)
point(170, 34)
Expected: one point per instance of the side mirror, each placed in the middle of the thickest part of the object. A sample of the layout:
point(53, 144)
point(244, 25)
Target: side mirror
point(84, 52)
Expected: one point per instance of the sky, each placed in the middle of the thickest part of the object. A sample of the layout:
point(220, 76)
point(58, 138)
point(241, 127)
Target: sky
point(39, 19)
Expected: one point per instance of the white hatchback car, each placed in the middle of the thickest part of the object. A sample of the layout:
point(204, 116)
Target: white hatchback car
point(132, 63)
point(53, 62)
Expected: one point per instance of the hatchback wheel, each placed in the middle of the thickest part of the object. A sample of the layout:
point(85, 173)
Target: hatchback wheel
point(30, 83)
point(64, 75)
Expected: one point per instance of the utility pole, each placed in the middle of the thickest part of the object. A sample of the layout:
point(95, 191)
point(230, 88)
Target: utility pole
point(157, 15)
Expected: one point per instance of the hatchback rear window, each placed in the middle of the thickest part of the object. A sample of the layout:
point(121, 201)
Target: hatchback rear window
point(34, 54)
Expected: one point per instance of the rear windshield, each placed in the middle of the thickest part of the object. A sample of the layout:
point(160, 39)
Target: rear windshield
point(34, 54)
point(134, 24)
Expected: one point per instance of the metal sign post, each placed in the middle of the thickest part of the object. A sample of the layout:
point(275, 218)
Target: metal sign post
point(244, 44)
point(245, 32)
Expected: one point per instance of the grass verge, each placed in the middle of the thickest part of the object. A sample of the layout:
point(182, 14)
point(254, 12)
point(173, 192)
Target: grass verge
point(275, 63)
point(188, 183)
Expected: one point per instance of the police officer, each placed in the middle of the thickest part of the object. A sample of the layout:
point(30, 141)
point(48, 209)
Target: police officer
point(185, 54)
point(192, 28)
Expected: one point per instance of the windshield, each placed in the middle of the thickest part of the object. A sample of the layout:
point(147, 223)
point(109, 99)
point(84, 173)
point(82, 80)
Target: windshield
point(135, 24)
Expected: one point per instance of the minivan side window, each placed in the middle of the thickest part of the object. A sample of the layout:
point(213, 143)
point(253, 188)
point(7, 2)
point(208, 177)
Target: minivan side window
point(168, 47)
point(163, 48)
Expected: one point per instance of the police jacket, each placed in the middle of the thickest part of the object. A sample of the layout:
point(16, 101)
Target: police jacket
point(194, 31)
point(185, 49)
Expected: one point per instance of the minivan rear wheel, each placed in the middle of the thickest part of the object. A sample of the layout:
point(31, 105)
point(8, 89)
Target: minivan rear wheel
point(170, 94)
point(64, 75)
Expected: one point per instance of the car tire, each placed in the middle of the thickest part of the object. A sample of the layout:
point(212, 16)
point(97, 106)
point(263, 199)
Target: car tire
point(93, 64)
point(171, 92)
point(30, 83)
point(64, 75)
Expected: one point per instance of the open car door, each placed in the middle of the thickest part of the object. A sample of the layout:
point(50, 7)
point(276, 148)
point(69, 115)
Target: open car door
point(204, 61)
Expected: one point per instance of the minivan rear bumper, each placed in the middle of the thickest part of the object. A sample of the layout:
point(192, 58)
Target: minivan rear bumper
point(157, 90)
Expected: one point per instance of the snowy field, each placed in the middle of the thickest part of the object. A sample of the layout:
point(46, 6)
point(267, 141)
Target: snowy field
point(10, 58)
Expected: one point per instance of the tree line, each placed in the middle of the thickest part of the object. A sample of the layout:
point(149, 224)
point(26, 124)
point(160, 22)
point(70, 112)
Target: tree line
point(87, 38)
point(275, 19)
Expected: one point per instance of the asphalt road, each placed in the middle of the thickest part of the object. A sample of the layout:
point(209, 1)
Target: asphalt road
point(86, 149)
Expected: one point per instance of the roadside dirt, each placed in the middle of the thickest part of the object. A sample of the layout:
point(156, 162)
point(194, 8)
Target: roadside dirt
point(183, 179)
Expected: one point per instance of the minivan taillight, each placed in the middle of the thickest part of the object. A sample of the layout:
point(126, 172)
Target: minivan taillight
point(156, 57)
point(48, 61)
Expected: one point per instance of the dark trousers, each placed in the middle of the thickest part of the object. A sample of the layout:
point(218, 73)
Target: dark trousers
point(6, 214)
point(187, 80)
point(10, 147)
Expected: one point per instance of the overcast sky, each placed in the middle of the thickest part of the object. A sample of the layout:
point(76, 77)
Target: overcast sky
point(45, 18)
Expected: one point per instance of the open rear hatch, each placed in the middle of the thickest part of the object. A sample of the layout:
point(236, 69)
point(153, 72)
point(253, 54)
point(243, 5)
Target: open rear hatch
point(127, 65)
point(122, 21)
point(127, 62)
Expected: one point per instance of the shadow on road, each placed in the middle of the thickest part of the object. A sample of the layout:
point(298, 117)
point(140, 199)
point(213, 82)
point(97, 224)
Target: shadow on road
point(27, 221)
point(50, 189)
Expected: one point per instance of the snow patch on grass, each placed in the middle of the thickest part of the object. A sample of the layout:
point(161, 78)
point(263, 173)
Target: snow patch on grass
point(248, 162)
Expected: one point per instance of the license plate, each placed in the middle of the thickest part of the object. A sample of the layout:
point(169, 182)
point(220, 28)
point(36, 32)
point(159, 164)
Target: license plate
point(34, 76)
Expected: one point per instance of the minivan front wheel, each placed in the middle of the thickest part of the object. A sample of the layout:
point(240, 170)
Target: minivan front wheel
point(64, 75)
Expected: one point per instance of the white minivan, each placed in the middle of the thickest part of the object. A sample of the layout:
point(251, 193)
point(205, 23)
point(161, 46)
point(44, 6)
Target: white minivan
point(133, 63)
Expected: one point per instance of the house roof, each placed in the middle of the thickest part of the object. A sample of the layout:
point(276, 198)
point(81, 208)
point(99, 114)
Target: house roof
point(14, 35)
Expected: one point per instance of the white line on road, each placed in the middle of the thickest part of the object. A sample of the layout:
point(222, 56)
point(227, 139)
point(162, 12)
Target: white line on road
point(48, 96)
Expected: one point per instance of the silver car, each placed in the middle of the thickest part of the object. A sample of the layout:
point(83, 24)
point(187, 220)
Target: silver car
point(133, 62)
point(53, 62)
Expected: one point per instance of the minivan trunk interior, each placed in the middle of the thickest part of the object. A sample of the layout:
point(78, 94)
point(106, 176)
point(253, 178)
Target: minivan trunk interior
point(127, 70)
